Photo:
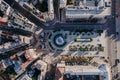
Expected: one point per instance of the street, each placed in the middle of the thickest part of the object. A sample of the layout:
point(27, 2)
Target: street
point(112, 46)
point(110, 26)
point(118, 37)
point(56, 9)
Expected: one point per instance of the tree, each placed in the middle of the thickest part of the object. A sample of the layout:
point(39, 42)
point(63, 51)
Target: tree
point(70, 2)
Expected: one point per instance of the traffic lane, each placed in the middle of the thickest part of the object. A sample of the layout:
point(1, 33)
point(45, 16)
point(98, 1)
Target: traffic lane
point(56, 9)
point(79, 26)
point(111, 23)
point(111, 31)
point(111, 27)
point(118, 27)
point(118, 6)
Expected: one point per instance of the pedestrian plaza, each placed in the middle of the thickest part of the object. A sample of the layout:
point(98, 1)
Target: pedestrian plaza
point(79, 42)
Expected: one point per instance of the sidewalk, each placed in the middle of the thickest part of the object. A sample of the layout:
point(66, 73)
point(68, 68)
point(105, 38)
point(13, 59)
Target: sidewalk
point(118, 30)
point(118, 27)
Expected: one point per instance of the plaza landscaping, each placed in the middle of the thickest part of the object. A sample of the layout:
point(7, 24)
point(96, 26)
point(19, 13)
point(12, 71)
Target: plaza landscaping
point(62, 43)
point(90, 31)
point(86, 48)
point(81, 41)
point(57, 41)
point(76, 60)
point(70, 2)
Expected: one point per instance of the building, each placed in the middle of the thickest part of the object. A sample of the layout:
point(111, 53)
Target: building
point(4, 7)
point(60, 71)
point(63, 3)
point(3, 20)
point(9, 36)
point(80, 72)
point(24, 76)
point(50, 9)
point(42, 66)
point(30, 7)
point(17, 66)
point(21, 24)
point(27, 6)
point(6, 62)
point(26, 57)
point(10, 46)
point(21, 60)
point(87, 9)
point(24, 39)
point(2, 68)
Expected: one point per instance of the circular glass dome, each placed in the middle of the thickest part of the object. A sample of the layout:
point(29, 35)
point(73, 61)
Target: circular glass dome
point(59, 40)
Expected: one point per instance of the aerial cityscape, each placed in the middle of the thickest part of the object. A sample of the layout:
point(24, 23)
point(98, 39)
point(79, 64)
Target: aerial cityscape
point(59, 39)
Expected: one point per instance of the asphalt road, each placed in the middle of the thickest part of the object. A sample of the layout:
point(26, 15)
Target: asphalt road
point(109, 25)
point(56, 9)
point(72, 26)
point(43, 25)
point(118, 37)
point(13, 51)
point(112, 52)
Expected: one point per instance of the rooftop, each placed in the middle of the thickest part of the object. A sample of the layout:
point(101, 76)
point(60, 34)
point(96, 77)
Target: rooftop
point(24, 76)
point(87, 9)
point(41, 65)
point(4, 7)
point(103, 71)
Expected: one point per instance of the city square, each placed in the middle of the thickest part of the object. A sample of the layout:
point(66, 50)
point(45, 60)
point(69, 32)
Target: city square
point(59, 40)
point(83, 42)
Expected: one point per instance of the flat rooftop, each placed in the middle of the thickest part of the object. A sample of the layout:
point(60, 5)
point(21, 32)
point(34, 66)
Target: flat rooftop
point(83, 77)
point(86, 8)
point(102, 72)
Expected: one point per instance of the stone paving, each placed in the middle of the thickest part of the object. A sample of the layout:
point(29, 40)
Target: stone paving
point(96, 39)
point(118, 36)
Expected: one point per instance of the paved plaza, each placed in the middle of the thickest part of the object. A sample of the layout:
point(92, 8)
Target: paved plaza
point(73, 47)
point(82, 36)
